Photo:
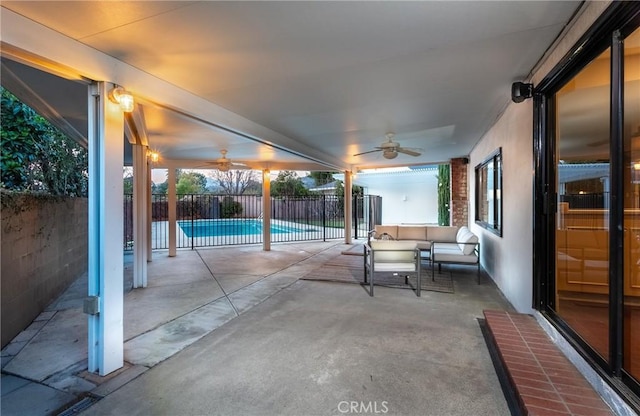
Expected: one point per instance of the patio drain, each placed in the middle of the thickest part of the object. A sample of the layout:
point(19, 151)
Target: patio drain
point(79, 406)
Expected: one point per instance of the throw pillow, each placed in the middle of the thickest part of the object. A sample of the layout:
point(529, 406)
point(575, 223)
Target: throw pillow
point(471, 240)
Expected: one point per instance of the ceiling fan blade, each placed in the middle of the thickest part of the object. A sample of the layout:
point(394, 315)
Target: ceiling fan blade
point(206, 165)
point(370, 151)
point(408, 151)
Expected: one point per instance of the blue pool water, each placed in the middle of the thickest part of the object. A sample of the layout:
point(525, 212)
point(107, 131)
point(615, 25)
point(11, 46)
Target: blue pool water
point(214, 228)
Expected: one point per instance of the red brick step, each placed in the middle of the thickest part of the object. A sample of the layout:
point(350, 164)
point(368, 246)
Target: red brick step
point(544, 381)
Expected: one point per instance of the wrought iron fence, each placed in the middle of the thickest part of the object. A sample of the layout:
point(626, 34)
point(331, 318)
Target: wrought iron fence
point(207, 220)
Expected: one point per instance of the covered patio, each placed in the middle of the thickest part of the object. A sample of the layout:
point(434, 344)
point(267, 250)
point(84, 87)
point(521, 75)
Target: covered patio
point(343, 96)
point(326, 86)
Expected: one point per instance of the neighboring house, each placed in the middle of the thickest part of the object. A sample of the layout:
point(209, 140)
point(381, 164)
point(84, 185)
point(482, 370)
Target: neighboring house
point(409, 196)
point(326, 189)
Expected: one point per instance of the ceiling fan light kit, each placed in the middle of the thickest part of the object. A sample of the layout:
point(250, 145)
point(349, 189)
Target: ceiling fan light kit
point(390, 149)
point(223, 164)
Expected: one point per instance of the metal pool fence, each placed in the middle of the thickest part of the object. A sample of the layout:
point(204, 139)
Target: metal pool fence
point(207, 220)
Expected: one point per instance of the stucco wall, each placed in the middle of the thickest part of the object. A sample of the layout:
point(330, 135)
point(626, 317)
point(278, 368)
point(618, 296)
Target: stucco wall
point(407, 198)
point(44, 249)
point(508, 259)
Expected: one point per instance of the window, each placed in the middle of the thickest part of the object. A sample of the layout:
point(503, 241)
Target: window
point(489, 193)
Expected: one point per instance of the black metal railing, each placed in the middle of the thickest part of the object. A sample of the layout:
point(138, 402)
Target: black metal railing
point(207, 220)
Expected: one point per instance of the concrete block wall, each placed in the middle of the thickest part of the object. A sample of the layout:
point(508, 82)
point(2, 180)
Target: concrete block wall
point(459, 192)
point(44, 249)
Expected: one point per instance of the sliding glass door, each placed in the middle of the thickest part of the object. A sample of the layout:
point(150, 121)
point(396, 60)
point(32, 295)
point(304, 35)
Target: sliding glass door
point(583, 201)
point(587, 216)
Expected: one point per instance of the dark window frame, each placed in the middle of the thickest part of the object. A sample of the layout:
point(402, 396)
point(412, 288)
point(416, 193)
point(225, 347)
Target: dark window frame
point(496, 225)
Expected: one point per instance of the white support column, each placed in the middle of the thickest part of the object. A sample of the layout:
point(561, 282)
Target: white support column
point(171, 178)
point(149, 214)
point(348, 196)
point(140, 215)
point(266, 210)
point(105, 304)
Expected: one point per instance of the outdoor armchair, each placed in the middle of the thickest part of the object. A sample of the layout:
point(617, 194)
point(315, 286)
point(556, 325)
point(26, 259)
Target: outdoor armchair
point(399, 257)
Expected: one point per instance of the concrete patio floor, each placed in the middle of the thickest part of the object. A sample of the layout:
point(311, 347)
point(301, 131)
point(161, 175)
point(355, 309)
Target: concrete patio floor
point(233, 331)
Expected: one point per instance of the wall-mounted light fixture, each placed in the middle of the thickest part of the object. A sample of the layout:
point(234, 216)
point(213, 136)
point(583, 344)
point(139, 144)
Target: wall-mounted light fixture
point(521, 91)
point(119, 95)
point(153, 156)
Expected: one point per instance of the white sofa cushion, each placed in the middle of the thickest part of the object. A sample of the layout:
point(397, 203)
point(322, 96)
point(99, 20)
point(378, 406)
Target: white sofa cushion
point(462, 231)
point(423, 245)
point(407, 232)
point(466, 241)
point(444, 233)
point(391, 230)
point(450, 252)
point(454, 258)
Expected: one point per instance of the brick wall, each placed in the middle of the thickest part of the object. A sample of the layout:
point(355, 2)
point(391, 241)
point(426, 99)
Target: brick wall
point(459, 192)
point(44, 249)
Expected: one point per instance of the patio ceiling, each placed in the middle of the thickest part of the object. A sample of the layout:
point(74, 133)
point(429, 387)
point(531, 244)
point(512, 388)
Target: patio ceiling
point(286, 85)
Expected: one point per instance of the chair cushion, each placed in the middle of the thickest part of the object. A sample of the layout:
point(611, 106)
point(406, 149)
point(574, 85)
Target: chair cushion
point(393, 267)
point(393, 251)
point(384, 245)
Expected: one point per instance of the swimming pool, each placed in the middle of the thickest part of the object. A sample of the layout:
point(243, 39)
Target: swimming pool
point(235, 226)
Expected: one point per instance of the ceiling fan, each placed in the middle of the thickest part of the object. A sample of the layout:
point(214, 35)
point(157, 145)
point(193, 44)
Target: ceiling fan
point(390, 149)
point(224, 164)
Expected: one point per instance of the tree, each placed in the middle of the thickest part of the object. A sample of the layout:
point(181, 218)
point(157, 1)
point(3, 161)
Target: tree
point(127, 184)
point(36, 155)
point(190, 183)
point(321, 178)
point(355, 189)
point(230, 208)
point(288, 184)
point(237, 182)
point(444, 194)
point(161, 188)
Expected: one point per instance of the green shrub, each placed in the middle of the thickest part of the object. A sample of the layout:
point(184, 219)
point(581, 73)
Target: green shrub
point(230, 208)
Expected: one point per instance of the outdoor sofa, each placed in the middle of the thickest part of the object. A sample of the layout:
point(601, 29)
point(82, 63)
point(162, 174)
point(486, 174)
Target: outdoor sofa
point(444, 245)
